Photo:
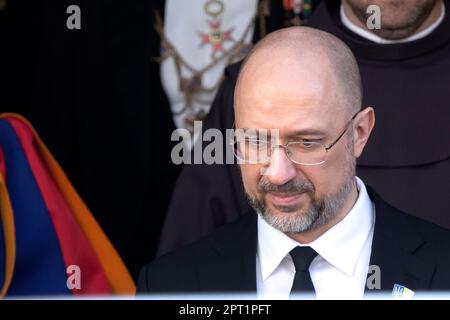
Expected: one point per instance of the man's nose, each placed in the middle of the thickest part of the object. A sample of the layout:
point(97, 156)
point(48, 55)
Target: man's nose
point(280, 169)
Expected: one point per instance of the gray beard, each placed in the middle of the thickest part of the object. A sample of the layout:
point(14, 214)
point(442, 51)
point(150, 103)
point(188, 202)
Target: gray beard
point(321, 210)
point(319, 213)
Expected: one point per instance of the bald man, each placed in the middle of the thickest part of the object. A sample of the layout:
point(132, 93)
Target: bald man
point(315, 227)
point(405, 71)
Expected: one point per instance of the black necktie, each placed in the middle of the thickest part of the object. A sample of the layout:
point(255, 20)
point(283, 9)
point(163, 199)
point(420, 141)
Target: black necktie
point(302, 258)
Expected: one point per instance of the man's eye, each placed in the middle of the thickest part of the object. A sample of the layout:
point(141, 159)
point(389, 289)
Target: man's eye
point(307, 143)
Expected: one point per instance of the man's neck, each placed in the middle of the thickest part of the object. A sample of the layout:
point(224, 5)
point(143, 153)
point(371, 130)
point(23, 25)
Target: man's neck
point(309, 236)
point(434, 15)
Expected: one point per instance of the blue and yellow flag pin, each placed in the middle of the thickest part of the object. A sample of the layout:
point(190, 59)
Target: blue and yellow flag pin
point(402, 292)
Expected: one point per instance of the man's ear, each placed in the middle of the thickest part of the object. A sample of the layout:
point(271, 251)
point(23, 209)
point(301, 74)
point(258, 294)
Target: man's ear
point(362, 127)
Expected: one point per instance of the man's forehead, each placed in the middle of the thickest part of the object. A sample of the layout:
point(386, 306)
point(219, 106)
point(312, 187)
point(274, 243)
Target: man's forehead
point(279, 67)
point(273, 110)
point(312, 125)
point(286, 87)
point(309, 132)
point(300, 96)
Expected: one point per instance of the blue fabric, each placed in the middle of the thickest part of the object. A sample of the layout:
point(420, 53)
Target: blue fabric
point(39, 268)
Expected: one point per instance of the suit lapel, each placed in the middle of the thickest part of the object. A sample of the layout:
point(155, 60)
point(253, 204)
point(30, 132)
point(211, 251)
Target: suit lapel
point(394, 243)
point(230, 263)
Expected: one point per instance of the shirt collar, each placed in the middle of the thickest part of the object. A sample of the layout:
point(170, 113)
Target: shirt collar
point(341, 245)
point(377, 39)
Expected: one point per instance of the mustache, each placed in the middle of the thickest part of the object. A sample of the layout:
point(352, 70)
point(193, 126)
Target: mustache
point(292, 186)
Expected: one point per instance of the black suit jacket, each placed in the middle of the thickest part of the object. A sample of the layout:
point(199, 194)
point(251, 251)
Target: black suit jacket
point(409, 251)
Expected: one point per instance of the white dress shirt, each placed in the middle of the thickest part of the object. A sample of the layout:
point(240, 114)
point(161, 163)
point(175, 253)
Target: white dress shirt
point(339, 271)
point(374, 38)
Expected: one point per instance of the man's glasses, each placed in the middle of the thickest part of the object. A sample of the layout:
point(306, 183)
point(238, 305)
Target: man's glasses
point(252, 150)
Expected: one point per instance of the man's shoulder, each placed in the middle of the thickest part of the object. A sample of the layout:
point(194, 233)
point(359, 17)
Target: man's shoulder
point(428, 243)
point(429, 231)
point(426, 239)
point(177, 271)
point(400, 222)
point(223, 235)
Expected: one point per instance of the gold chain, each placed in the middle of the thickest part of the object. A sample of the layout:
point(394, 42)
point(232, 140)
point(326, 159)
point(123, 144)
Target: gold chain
point(191, 87)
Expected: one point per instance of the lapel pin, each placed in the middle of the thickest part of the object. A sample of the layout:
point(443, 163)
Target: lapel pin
point(402, 292)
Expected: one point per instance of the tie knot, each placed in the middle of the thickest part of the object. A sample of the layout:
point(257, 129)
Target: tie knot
point(302, 257)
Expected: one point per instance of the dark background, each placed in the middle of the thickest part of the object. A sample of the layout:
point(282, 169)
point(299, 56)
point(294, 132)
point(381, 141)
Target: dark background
point(93, 96)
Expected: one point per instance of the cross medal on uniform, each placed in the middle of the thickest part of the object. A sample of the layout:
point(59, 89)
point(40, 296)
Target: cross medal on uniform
point(215, 37)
